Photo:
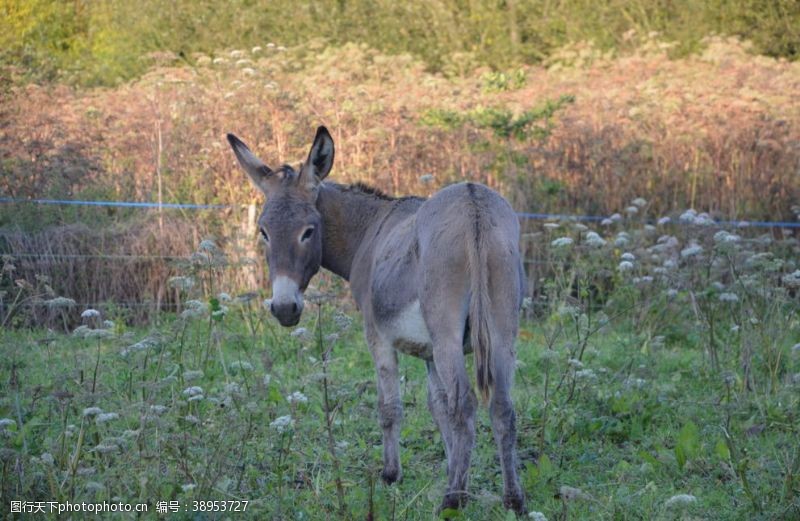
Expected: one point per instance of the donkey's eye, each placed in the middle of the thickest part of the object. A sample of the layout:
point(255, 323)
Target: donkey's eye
point(307, 234)
point(264, 234)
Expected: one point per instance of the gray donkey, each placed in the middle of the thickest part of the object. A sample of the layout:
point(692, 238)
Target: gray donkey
point(434, 278)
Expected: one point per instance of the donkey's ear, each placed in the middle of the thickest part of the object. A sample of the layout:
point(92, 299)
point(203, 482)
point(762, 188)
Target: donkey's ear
point(260, 173)
point(320, 158)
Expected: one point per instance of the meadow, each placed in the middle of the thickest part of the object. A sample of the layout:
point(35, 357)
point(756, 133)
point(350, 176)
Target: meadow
point(659, 355)
point(658, 378)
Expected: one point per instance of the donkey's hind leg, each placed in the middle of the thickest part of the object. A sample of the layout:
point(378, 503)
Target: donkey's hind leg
point(437, 404)
point(501, 410)
point(390, 407)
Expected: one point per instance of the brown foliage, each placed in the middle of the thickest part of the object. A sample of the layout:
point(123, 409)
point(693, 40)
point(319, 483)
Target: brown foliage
point(719, 132)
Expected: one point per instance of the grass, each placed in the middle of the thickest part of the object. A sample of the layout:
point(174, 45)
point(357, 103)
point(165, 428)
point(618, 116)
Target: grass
point(650, 399)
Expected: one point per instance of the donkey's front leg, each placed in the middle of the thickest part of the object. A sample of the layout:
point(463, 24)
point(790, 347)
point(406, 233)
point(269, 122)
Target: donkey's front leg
point(390, 408)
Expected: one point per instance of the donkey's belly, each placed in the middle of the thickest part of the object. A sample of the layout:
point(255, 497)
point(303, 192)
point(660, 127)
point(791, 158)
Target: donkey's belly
point(407, 332)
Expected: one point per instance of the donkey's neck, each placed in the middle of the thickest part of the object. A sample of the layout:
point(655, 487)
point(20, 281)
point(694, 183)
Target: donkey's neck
point(347, 213)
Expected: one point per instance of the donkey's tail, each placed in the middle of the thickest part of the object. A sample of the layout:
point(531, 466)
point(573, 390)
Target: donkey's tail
point(480, 317)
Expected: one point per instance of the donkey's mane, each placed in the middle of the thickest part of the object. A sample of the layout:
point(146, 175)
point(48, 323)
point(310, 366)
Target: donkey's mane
point(370, 190)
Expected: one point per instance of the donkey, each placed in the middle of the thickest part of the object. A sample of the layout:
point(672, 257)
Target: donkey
point(434, 278)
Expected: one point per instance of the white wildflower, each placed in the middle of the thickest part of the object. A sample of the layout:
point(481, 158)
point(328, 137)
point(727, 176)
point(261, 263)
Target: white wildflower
point(221, 312)
point(192, 374)
point(622, 240)
point(241, 366)
point(47, 459)
point(571, 493)
point(527, 303)
point(267, 379)
point(300, 332)
point(207, 245)
point(792, 280)
point(81, 331)
point(60, 303)
point(90, 313)
point(728, 297)
point(680, 500)
point(426, 178)
point(236, 53)
point(108, 324)
point(722, 237)
point(688, 217)
point(92, 411)
point(106, 447)
point(565, 310)
point(606, 222)
point(664, 221)
point(223, 297)
point(561, 242)
point(594, 240)
point(219, 61)
point(98, 333)
point(625, 266)
point(580, 227)
point(232, 388)
point(575, 363)
point(188, 487)
point(7, 422)
point(282, 423)
point(691, 251)
point(194, 390)
point(627, 256)
point(106, 417)
point(267, 303)
point(549, 355)
point(196, 398)
point(191, 418)
point(537, 516)
point(297, 397)
point(632, 210)
point(615, 217)
point(704, 220)
point(585, 374)
point(639, 201)
point(158, 409)
point(552, 226)
point(180, 282)
point(255, 50)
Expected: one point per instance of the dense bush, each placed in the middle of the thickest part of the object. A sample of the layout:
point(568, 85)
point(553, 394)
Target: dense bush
point(105, 42)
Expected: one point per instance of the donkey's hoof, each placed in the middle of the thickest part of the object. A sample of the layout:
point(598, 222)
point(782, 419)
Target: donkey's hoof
point(515, 502)
point(453, 501)
point(390, 476)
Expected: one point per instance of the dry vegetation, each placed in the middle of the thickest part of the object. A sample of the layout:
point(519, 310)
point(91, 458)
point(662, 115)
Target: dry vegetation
point(719, 132)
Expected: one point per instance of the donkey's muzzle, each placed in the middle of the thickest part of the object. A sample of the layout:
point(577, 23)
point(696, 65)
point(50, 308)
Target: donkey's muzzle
point(288, 314)
point(287, 301)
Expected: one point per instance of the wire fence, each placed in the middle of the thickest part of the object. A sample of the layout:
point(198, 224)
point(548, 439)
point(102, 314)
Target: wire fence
point(523, 215)
point(55, 257)
point(197, 206)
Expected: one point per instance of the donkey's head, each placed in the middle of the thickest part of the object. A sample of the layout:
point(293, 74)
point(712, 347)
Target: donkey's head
point(290, 223)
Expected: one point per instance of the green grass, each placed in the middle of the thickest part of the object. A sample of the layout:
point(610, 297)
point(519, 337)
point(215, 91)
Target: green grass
point(649, 423)
point(658, 378)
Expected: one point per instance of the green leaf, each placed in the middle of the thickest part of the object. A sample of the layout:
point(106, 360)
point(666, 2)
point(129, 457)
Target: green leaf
point(688, 444)
point(450, 513)
point(545, 466)
point(721, 450)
